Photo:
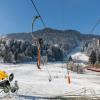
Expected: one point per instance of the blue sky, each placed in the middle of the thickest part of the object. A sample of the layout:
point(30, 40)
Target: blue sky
point(16, 15)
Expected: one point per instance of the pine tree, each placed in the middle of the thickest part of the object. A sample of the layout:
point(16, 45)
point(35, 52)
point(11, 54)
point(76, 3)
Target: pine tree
point(92, 57)
point(99, 57)
point(70, 58)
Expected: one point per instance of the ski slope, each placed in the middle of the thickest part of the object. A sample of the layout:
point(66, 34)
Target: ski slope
point(78, 55)
point(34, 83)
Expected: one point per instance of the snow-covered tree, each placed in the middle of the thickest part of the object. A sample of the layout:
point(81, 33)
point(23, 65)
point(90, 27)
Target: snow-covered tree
point(92, 57)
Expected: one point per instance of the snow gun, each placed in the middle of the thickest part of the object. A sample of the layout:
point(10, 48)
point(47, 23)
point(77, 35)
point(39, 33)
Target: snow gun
point(5, 82)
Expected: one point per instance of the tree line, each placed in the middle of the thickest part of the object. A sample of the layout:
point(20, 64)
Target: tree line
point(94, 57)
point(17, 51)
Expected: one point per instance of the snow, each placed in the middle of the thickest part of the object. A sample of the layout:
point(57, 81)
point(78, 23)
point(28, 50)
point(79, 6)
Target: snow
point(34, 83)
point(80, 56)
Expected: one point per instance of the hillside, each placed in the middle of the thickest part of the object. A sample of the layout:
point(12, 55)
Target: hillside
point(52, 33)
point(66, 39)
point(48, 34)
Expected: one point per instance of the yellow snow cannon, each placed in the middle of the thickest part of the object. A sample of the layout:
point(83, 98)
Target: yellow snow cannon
point(5, 82)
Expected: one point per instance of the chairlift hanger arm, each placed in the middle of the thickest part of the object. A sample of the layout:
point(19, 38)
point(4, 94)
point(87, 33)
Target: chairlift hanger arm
point(35, 18)
point(33, 21)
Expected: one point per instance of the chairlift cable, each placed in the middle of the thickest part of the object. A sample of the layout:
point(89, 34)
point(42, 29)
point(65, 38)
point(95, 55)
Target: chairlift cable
point(32, 1)
point(98, 21)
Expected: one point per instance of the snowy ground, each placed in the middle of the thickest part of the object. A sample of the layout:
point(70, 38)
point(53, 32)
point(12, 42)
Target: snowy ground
point(34, 83)
point(78, 55)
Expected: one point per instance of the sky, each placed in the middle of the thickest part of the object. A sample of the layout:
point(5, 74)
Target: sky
point(16, 15)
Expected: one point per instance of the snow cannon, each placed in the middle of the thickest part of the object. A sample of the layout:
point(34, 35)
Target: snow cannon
point(5, 82)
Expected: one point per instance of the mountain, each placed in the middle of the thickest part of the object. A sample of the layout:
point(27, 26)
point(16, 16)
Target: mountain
point(66, 39)
point(57, 44)
point(49, 33)
point(42, 32)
